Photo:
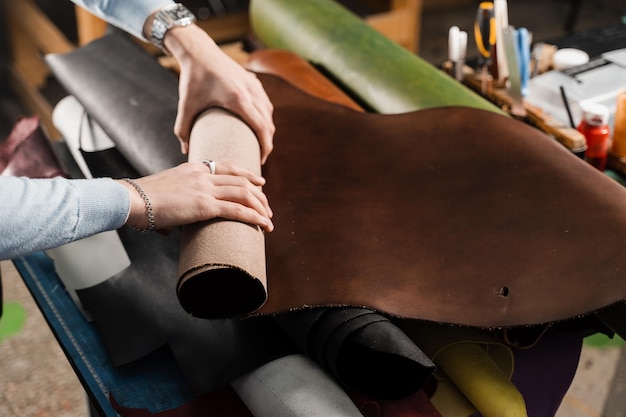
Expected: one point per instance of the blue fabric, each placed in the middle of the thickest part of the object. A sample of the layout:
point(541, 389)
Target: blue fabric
point(128, 15)
point(38, 214)
point(153, 382)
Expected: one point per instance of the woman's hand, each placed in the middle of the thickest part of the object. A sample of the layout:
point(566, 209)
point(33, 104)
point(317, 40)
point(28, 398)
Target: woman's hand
point(189, 193)
point(210, 78)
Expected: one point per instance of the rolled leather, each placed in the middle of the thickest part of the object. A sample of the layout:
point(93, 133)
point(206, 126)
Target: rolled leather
point(364, 350)
point(94, 76)
point(293, 386)
point(222, 263)
point(384, 76)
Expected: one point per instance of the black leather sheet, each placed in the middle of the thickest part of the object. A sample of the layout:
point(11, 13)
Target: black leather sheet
point(363, 349)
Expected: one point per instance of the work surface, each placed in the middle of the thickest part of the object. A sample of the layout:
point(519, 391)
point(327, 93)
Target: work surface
point(591, 357)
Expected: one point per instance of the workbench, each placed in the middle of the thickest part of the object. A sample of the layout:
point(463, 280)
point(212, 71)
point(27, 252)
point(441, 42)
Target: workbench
point(91, 364)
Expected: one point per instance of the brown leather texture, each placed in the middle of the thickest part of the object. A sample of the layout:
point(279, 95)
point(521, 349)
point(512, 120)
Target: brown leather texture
point(453, 215)
point(298, 72)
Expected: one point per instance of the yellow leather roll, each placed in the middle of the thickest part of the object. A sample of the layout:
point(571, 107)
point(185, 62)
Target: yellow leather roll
point(478, 377)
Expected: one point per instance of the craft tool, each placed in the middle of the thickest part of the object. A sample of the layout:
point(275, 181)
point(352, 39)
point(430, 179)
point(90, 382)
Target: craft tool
point(462, 53)
point(567, 107)
point(453, 47)
point(501, 12)
point(523, 47)
point(457, 46)
point(485, 36)
point(509, 40)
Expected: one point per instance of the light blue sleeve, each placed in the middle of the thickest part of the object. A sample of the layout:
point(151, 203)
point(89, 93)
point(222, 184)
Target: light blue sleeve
point(128, 15)
point(38, 214)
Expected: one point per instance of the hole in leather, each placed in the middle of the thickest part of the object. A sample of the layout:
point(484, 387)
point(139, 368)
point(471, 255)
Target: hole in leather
point(503, 292)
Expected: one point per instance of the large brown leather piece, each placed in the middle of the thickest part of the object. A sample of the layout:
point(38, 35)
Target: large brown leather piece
point(448, 214)
point(453, 215)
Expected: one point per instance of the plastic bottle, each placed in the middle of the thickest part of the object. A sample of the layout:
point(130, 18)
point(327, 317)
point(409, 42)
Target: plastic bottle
point(595, 128)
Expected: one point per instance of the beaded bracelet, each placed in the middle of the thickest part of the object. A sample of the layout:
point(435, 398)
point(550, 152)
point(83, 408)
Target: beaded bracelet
point(149, 209)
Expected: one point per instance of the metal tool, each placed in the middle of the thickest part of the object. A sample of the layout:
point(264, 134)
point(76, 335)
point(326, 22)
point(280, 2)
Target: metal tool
point(485, 36)
point(501, 11)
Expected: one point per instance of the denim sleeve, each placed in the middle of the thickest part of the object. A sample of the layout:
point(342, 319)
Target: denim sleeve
point(128, 15)
point(38, 214)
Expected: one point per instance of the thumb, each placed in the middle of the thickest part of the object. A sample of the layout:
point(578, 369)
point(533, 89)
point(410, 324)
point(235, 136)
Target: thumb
point(182, 130)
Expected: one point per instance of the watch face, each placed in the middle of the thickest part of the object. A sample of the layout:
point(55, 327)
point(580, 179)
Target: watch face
point(175, 15)
point(158, 26)
point(180, 13)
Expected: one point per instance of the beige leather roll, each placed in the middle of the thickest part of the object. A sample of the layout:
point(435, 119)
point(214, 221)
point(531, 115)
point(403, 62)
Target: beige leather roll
point(222, 262)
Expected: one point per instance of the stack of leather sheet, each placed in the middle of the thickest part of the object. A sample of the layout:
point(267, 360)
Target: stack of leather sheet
point(137, 310)
point(389, 230)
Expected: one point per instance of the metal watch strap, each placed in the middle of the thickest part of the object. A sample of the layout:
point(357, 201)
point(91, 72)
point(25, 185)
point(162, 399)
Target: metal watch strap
point(167, 18)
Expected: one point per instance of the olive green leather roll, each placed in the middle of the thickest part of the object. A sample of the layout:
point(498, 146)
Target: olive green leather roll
point(382, 74)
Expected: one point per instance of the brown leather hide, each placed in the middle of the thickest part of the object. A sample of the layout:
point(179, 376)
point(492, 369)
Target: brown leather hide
point(454, 215)
point(299, 72)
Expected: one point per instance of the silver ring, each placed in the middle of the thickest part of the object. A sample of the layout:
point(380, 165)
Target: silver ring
point(211, 164)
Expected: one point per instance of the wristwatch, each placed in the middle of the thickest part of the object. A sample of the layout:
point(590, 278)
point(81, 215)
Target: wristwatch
point(175, 15)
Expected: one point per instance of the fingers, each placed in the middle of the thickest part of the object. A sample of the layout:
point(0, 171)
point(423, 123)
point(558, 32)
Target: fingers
point(260, 121)
point(182, 126)
point(189, 193)
point(236, 194)
point(244, 96)
point(228, 168)
point(258, 114)
point(244, 214)
point(233, 179)
point(210, 78)
point(236, 203)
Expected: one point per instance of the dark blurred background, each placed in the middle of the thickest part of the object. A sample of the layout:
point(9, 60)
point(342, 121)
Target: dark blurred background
point(546, 19)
